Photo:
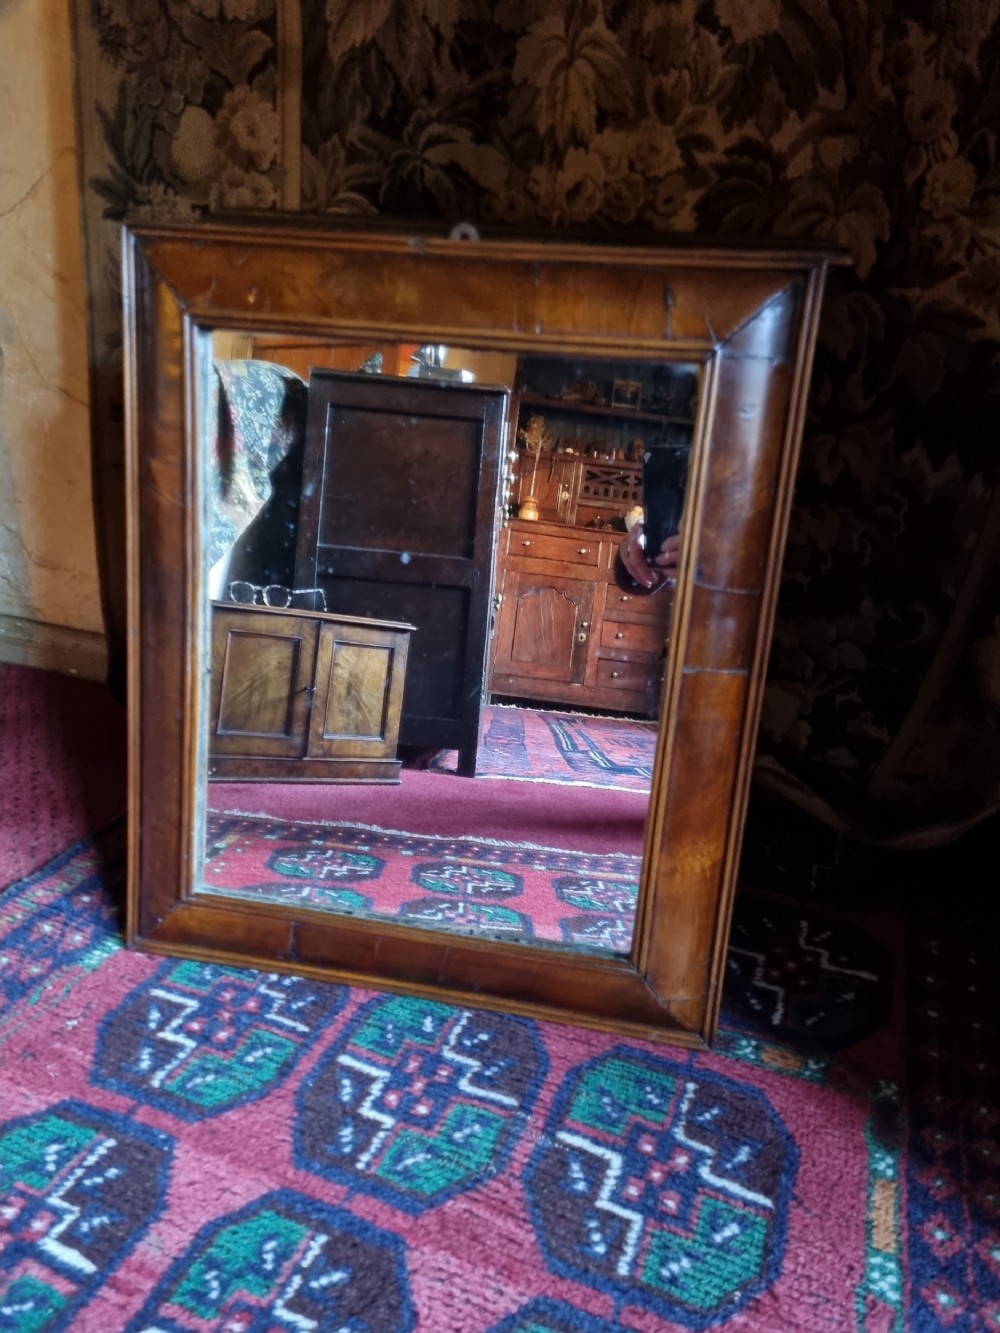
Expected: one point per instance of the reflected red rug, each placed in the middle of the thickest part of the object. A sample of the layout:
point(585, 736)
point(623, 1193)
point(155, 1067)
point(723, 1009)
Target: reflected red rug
point(580, 818)
point(473, 885)
point(533, 745)
point(198, 1149)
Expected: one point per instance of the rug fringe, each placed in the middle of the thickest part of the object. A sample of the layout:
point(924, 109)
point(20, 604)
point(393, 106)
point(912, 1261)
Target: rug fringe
point(626, 858)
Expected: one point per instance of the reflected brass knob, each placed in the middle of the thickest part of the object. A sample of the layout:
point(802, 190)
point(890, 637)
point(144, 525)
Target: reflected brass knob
point(583, 550)
point(624, 597)
point(619, 635)
point(526, 543)
point(585, 624)
point(615, 675)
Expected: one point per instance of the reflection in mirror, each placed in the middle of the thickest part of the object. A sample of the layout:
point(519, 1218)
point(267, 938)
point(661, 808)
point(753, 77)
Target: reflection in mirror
point(439, 590)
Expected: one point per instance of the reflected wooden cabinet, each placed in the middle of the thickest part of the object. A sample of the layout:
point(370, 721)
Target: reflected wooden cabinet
point(302, 696)
point(568, 631)
point(400, 492)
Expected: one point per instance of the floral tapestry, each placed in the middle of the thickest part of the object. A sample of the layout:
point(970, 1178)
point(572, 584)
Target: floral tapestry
point(847, 121)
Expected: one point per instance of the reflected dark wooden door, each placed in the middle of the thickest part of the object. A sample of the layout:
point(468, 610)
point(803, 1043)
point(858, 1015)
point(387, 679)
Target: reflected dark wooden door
point(400, 495)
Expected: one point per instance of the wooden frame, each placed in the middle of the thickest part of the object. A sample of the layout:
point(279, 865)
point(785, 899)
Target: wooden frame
point(747, 316)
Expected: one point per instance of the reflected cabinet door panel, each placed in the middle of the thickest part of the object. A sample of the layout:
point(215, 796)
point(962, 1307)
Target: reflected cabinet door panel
point(262, 674)
point(544, 627)
point(303, 696)
point(452, 575)
point(360, 675)
point(398, 521)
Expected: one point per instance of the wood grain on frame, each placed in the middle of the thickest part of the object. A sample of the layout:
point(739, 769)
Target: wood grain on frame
point(747, 316)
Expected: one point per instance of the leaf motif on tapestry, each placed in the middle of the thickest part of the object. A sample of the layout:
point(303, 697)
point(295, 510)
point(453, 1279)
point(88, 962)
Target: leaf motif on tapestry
point(575, 66)
point(749, 191)
point(796, 45)
point(424, 165)
point(352, 24)
point(410, 34)
point(128, 136)
point(355, 23)
point(330, 185)
point(857, 220)
point(233, 50)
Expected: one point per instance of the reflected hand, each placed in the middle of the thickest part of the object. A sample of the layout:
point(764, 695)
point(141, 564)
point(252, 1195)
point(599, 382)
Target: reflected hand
point(662, 572)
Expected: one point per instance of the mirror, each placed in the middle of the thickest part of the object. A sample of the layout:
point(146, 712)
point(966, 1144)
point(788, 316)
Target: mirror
point(513, 805)
point(453, 566)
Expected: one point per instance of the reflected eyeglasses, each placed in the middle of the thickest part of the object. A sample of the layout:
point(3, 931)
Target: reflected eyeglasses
point(277, 595)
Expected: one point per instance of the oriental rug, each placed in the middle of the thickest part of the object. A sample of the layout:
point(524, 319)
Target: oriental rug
point(536, 745)
point(473, 885)
point(198, 1149)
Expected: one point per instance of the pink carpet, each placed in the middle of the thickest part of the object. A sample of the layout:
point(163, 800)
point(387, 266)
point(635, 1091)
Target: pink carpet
point(581, 818)
point(63, 742)
point(207, 1149)
point(203, 1149)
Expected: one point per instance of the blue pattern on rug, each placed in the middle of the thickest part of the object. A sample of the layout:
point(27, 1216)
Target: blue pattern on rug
point(79, 1187)
point(199, 1039)
point(663, 1187)
point(419, 1101)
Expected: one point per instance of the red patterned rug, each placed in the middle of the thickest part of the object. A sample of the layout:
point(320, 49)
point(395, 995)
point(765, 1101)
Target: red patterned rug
point(197, 1149)
point(536, 745)
point(473, 885)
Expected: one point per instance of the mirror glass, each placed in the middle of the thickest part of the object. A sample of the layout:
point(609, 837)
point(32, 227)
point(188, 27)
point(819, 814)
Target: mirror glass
point(438, 586)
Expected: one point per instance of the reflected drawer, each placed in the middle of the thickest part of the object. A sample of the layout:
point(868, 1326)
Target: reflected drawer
point(572, 550)
point(641, 636)
point(625, 675)
point(651, 607)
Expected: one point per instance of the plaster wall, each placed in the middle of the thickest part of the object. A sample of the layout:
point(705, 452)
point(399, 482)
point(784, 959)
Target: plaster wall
point(48, 562)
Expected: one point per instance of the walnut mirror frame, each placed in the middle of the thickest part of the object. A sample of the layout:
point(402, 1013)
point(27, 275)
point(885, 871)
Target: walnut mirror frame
point(746, 317)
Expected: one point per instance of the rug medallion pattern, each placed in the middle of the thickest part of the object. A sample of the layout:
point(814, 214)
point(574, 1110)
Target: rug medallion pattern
point(78, 1188)
point(198, 1040)
point(418, 1101)
point(196, 1149)
point(472, 886)
point(667, 1187)
point(285, 1262)
point(821, 978)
